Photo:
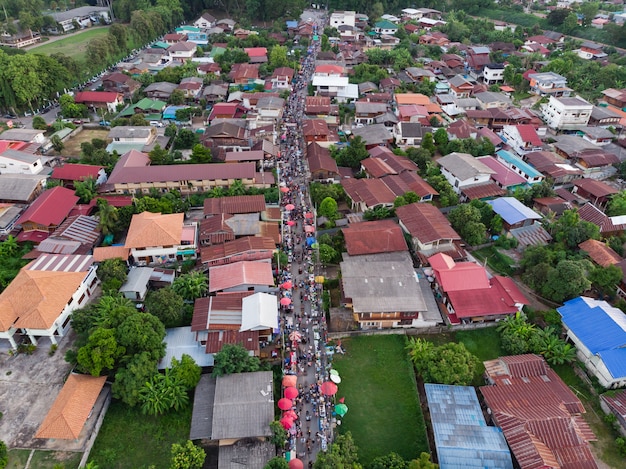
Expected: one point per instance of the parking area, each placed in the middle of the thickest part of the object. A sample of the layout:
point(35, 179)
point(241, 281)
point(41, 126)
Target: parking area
point(29, 384)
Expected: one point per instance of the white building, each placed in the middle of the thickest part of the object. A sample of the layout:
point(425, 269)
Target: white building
point(463, 170)
point(341, 18)
point(206, 21)
point(84, 16)
point(19, 162)
point(493, 73)
point(40, 300)
point(566, 113)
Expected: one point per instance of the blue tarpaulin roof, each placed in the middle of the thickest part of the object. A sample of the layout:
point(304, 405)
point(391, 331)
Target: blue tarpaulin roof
point(601, 328)
point(527, 169)
point(462, 437)
point(512, 210)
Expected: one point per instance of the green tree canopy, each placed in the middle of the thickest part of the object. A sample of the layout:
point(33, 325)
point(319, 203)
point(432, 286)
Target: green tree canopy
point(328, 209)
point(101, 352)
point(112, 273)
point(187, 456)
point(567, 280)
point(234, 358)
point(466, 219)
point(450, 363)
point(343, 453)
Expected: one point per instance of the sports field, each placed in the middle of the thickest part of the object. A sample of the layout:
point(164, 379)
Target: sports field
point(73, 45)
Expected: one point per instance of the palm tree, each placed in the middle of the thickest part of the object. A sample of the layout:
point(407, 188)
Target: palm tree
point(86, 190)
point(9, 246)
point(108, 216)
point(191, 286)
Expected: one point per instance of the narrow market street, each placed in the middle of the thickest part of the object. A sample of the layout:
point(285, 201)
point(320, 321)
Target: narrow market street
point(309, 419)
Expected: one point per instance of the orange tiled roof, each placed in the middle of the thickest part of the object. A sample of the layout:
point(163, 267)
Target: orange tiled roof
point(154, 229)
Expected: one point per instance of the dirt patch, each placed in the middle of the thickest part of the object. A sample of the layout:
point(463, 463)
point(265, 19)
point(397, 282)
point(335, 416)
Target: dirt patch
point(341, 320)
point(72, 145)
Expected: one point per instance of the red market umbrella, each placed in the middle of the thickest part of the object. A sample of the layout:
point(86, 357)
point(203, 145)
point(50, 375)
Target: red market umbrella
point(285, 301)
point(291, 392)
point(284, 189)
point(289, 380)
point(287, 285)
point(328, 388)
point(286, 423)
point(309, 229)
point(295, 336)
point(290, 207)
point(291, 414)
point(296, 464)
point(308, 215)
point(291, 223)
point(285, 404)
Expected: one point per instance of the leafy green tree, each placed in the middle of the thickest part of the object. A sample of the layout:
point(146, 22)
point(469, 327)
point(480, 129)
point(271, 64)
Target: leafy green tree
point(158, 155)
point(4, 455)
point(516, 333)
point(86, 190)
point(185, 139)
point(423, 462)
point(399, 201)
point(107, 217)
point(389, 461)
point(328, 209)
point(142, 332)
point(200, 154)
point(450, 363)
point(327, 254)
point(279, 434)
point(185, 371)
point(130, 378)
point(191, 286)
point(101, 352)
point(320, 191)
point(162, 394)
point(112, 273)
point(57, 143)
point(85, 320)
point(353, 154)
point(343, 453)
point(570, 230)
point(440, 138)
point(567, 280)
point(165, 304)
point(606, 279)
point(39, 123)
point(187, 456)
point(234, 358)
point(466, 219)
point(617, 205)
point(177, 98)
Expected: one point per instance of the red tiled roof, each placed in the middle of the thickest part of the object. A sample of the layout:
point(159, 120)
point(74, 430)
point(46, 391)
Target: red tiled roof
point(329, 69)
point(529, 134)
point(372, 192)
point(76, 172)
point(377, 167)
point(217, 339)
point(234, 204)
point(458, 276)
point(96, 97)
point(315, 127)
point(238, 247)
point(256, 51)
point(50, 208)
point(373, 237)
point(426, 223)
point(227, 276)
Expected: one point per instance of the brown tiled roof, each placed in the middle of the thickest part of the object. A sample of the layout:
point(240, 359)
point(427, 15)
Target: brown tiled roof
point(426, 223)
point(600, 253)
point(155, 229)
point(373, 237)
point(315, 127)
point(377, 167)
point(110, 252)
point(317, 105)
point(215, 229)
point(239, 246)
point(319, 158)
point(217, 339)
point(370, 191)
point(270, 229)
point(234, 205)
point(592, 214)
point(483, 191)
point(71, 408)
point(240, 273)
point(205, 309)
point(539, 415)
point(595, 188)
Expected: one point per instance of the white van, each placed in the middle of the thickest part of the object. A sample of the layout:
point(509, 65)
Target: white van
point(156, 124)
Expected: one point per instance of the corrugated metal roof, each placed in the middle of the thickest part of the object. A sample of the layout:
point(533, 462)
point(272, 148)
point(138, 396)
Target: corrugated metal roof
point(462, 437)
point(240, 273)
point(372, 237)
point(512, 210)
point(426, 223)
point(234, 204)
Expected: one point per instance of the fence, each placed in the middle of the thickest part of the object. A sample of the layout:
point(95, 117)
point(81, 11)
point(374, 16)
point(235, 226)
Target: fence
point(411, 331)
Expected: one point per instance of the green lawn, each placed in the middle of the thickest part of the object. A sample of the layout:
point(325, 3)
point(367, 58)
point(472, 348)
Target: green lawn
point(73, 46)
point(52, 459)
point(379, 387)
point(18, 458)
point(129, 439)
point(500, 263)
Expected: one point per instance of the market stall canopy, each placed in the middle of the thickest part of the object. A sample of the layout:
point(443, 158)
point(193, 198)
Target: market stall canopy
point(291, 392)
point(285, 404)
point(290, 207)
point(328, 388)
point(285, 301)
point(296, 464)
point(289, 380)
point(341, 409)
point(286, 423)
point(335, 379)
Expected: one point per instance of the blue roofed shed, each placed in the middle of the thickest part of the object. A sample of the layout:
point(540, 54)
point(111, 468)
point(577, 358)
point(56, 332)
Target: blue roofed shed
point(462, 437)
point(518, 165)
point(599, 332)
point(514, 213)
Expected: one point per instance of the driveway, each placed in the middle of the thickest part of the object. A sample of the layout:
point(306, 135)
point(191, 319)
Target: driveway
point(29, 384)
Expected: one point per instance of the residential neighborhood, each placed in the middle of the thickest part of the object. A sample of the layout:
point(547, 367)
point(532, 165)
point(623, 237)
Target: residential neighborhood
point(320, 237)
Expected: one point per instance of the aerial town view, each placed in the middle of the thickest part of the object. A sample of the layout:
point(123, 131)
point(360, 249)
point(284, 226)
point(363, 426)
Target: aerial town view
point(275, 234)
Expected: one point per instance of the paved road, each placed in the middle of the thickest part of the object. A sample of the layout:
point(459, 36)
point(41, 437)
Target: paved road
point(303, 318)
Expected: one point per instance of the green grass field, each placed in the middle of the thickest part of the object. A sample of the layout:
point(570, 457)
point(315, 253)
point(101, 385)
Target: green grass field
point(379, 387)
point(74, 46)
point(130, 440)
point(500, 263)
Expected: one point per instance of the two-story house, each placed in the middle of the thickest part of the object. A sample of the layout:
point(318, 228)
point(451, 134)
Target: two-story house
point(548, 84)
point(20, 162)
point(521, 138)
point(514, 162)
point(155, 238)
point(566, 113)
point(462, 170)
point(182, 51)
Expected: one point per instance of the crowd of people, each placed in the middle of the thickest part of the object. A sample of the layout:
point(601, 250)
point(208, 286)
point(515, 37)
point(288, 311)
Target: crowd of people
point(303, 323)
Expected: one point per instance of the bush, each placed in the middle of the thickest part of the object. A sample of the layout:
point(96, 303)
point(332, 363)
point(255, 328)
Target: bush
point(4, 455)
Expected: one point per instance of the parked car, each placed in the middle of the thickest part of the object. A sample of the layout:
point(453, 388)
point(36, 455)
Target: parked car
point(105, 123)
point(28, 114)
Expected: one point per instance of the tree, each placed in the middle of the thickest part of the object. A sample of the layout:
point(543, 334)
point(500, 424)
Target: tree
point(191, 286)
point(186, 371)
point(571, 230)
point(176, 98)
point(112, 273)
point(606, 279)
point(85, 320)
point(187, 456)
point(353, 154)
point(450, 363)
point(165, 304)
point(277, 462)
point(158, 155)
point(185, 139)
point(142, 332)
point(343, 453)
point(129, 379)
point(107, 217)
point(327, 254)
point(200, 154)
point(567, 280)
point(39, 123)
point(617, 205)
point(328, 209)
point(389, 461)
point(86, 190)
point(279, 434)
point(423, 462)
point(57, 143)
point(589, 10)
point(101, 352)
point(466, 219)
point(162, 394)
point(516, 333)
point(4, 455)
point(234, 358)
point(440, 138)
